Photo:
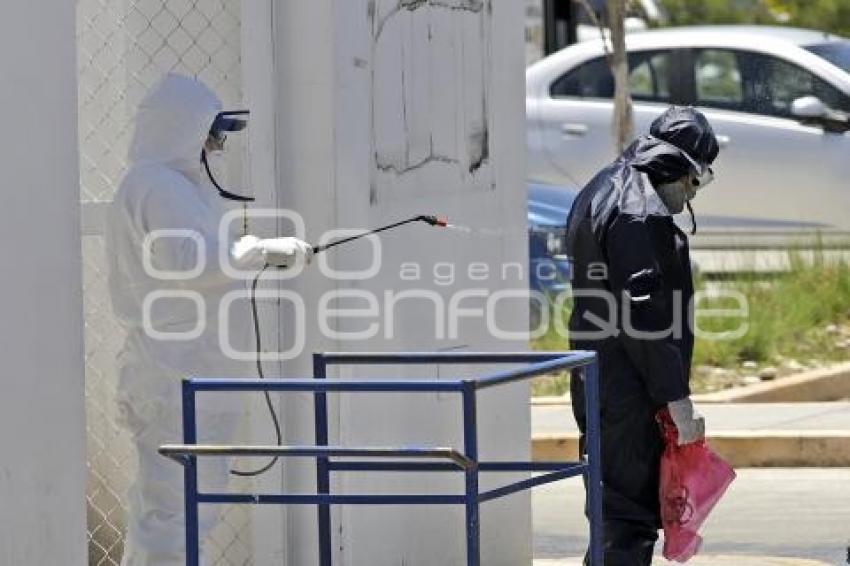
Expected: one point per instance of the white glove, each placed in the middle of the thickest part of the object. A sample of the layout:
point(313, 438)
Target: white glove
point(285, 252)
point(689, 423)
point(246, 251)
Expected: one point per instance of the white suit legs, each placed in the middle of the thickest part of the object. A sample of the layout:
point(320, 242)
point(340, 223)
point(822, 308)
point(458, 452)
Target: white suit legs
point(155, 530)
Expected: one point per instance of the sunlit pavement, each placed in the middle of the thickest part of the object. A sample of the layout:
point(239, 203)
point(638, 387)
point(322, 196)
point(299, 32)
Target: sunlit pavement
point(708, 560)
point(726, 416)
point(801, 513)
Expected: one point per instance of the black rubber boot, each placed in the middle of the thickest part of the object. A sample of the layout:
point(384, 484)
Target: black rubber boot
point(627, 543)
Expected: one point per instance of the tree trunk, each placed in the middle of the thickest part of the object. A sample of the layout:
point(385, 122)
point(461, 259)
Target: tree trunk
point(622, 123)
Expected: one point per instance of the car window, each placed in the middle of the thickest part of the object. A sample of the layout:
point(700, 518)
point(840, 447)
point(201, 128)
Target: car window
point(757, 83)
point(718, 79)
point(649, 78)
point(774, 84)
point(589, 80)
point(836, 52)
point(649, 75)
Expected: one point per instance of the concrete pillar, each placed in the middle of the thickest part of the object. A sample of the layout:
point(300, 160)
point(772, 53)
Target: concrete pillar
point(385, 109)
point(42, 417)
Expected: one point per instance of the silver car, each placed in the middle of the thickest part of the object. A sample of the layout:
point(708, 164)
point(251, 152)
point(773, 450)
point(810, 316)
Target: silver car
point(778, 99)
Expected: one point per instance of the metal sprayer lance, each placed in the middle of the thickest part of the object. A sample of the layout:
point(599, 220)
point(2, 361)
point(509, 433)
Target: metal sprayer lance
point(440, 221)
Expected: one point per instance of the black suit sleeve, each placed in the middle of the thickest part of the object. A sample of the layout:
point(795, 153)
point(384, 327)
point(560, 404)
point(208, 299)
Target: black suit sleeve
point(646, 310)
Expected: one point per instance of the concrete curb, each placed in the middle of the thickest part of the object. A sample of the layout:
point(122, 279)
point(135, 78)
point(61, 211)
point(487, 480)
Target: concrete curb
point(548, 401)
point(742, 449)
point(826, 384)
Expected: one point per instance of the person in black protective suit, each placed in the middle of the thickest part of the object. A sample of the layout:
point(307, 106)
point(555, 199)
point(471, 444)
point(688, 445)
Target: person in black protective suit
point(630, 257)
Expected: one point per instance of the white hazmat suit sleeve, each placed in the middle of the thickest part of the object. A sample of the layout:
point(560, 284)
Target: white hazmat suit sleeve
point(184, 235)
point(183, 232)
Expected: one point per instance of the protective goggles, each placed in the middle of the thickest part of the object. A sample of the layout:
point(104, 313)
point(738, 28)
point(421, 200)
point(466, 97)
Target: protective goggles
point(231, 121)
point(701, 175)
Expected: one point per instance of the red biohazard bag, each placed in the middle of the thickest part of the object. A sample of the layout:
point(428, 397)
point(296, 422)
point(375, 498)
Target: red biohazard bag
point(693, 478)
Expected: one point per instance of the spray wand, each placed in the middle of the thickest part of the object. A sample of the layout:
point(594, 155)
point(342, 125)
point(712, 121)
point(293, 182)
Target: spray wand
point(440, 221)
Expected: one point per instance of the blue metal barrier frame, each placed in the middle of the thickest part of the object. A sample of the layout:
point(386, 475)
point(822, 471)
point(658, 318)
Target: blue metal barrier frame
point(465, 461)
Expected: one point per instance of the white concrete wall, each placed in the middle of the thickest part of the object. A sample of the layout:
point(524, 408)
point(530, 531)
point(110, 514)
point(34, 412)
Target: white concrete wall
point(304, 35)
point(384, 109)
point(268, 521)
point(42, 418)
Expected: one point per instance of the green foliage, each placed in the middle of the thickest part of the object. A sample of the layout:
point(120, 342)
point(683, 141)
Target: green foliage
point(826, 15)
point(786, 316)
point(551, 385)
point(713, 12)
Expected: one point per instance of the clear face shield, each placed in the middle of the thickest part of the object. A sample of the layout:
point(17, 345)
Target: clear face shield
point(231, 121)
point(699, 177)
point(678, 194)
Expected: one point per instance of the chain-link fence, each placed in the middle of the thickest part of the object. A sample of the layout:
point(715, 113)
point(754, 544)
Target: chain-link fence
point(124, 47)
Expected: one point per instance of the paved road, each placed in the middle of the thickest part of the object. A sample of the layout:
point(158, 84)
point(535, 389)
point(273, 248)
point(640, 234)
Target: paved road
point(552, 419)
point(799, 513)
point(704, 560)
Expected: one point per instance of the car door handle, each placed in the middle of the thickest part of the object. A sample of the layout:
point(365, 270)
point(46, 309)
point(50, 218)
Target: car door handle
point(723, 141)
point(577, 130)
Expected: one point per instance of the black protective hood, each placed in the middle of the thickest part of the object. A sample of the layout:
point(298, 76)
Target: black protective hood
point(660, 154)
point(684, 129)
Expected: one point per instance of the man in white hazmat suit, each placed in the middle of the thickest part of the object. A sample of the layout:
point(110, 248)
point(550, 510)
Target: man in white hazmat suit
point(166, 285)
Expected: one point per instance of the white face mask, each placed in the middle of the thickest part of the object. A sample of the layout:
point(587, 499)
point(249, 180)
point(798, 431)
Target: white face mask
point(675, 194)
point(684, 189)
point(680, 192)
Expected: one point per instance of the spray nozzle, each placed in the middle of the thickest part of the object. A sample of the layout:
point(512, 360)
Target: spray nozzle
point(440, 221)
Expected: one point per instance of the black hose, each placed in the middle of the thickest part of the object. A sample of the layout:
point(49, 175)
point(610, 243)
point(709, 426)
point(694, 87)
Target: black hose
point(221, 191)
point(261, 374)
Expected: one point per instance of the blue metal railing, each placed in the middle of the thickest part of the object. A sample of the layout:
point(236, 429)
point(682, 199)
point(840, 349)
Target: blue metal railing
point(405, 459)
